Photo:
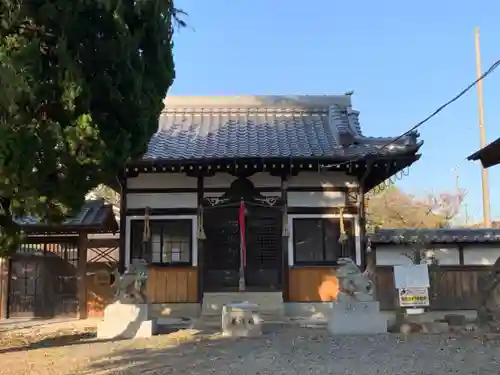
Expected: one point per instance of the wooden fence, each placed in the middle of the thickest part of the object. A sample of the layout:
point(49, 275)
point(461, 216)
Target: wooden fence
point(452, 287)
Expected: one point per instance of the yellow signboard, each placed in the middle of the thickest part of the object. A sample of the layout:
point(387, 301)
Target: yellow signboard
point(414, 297)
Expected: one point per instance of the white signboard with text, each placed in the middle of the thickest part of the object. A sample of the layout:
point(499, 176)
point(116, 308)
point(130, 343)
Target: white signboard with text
point(411, 276)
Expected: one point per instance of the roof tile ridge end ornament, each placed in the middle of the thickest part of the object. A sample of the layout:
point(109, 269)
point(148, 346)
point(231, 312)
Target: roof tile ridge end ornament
point(352, 127)
point(407, 140)
point(333, 118)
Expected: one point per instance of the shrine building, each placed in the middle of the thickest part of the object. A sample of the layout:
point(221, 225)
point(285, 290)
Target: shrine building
point(253, 196)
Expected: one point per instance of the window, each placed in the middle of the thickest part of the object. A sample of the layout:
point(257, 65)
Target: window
point(316, 241)
point(170, 241)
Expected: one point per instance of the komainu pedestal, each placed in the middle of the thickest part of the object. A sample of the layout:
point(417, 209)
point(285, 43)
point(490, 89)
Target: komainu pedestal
point(355, 317)
point(126, 321)
point(129, 316)
point(355, 311)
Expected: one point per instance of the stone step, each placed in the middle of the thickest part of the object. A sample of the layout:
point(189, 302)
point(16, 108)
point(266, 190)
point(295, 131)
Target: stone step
point(267, 301)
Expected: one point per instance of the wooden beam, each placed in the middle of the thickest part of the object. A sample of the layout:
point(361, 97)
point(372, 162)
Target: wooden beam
point(285, 278)
point(201, 242)
point(461, 260)
point(123, 224)
point(82, 276)
point(4, 286)
point(362, 227)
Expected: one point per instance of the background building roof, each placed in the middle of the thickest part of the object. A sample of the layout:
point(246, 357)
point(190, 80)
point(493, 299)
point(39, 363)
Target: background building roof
point(94, 216)
point(430, 236)
point(489, 155)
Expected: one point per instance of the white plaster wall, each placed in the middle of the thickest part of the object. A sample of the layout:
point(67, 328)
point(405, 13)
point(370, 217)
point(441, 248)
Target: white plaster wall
point(316, 199)
point(162, 200)
point(223, 180)
point(161, 181)
point(322, 179)
point(392, 255)
point(481, 255)
point(216, 194)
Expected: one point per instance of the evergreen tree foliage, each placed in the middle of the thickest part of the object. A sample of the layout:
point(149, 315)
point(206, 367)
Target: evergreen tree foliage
point(82, 85)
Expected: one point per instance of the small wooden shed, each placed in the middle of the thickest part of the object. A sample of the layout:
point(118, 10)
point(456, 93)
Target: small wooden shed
point(47, 276)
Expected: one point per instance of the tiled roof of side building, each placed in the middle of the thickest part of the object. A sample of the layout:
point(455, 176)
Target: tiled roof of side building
point(441, 235)
point(94, 213)
point(192, 128)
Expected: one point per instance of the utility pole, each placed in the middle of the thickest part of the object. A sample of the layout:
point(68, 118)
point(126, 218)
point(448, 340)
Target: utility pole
point(482, 134)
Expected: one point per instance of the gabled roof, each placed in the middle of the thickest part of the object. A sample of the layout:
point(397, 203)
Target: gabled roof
point(489, 155)
point(94, 216)
point(435, 236)
point(210, 128)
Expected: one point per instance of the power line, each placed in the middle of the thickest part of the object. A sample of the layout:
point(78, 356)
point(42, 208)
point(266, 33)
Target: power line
point(492, 68)
point(462, 93)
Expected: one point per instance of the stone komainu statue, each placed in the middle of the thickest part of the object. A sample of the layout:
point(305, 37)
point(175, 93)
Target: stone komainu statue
point(353, 284)
point(130, 287)
point(489, 296)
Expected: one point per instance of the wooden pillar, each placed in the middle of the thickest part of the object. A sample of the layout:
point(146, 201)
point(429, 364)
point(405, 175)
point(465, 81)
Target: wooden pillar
point(201, 241)
point(4, 286)
point(123, 222)
point(285, 280)
point(362, 226)
point(82, 275)
point(461, 258)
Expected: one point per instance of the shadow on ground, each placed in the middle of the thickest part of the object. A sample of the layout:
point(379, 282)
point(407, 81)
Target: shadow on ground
point(209, 353)
point(201, 353)
point(10, 341)
point(22, 342)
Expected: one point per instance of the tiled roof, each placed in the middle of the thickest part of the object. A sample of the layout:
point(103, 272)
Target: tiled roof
point(94, 213)
point(429, 236)
point(489, 155)
point(193, 128)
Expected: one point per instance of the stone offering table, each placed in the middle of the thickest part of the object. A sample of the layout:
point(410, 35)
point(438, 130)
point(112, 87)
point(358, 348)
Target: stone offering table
point(241, 320)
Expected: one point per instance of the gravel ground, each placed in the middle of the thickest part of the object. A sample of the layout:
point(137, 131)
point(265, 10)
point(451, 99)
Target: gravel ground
point(286, 350)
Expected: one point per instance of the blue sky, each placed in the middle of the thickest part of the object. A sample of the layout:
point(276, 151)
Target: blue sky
point(402, 59)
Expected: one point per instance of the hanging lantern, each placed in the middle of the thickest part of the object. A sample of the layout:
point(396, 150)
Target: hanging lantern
point(200, 233)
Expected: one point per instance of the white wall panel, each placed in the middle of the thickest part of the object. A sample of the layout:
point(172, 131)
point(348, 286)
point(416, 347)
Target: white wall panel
point(219, 180)
point(224, 180)
point(321, 179)
point(263, 180)
point(391, 255)
point(481, 255)
point(316, 199)
point(161, 181)
point(162, 200)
